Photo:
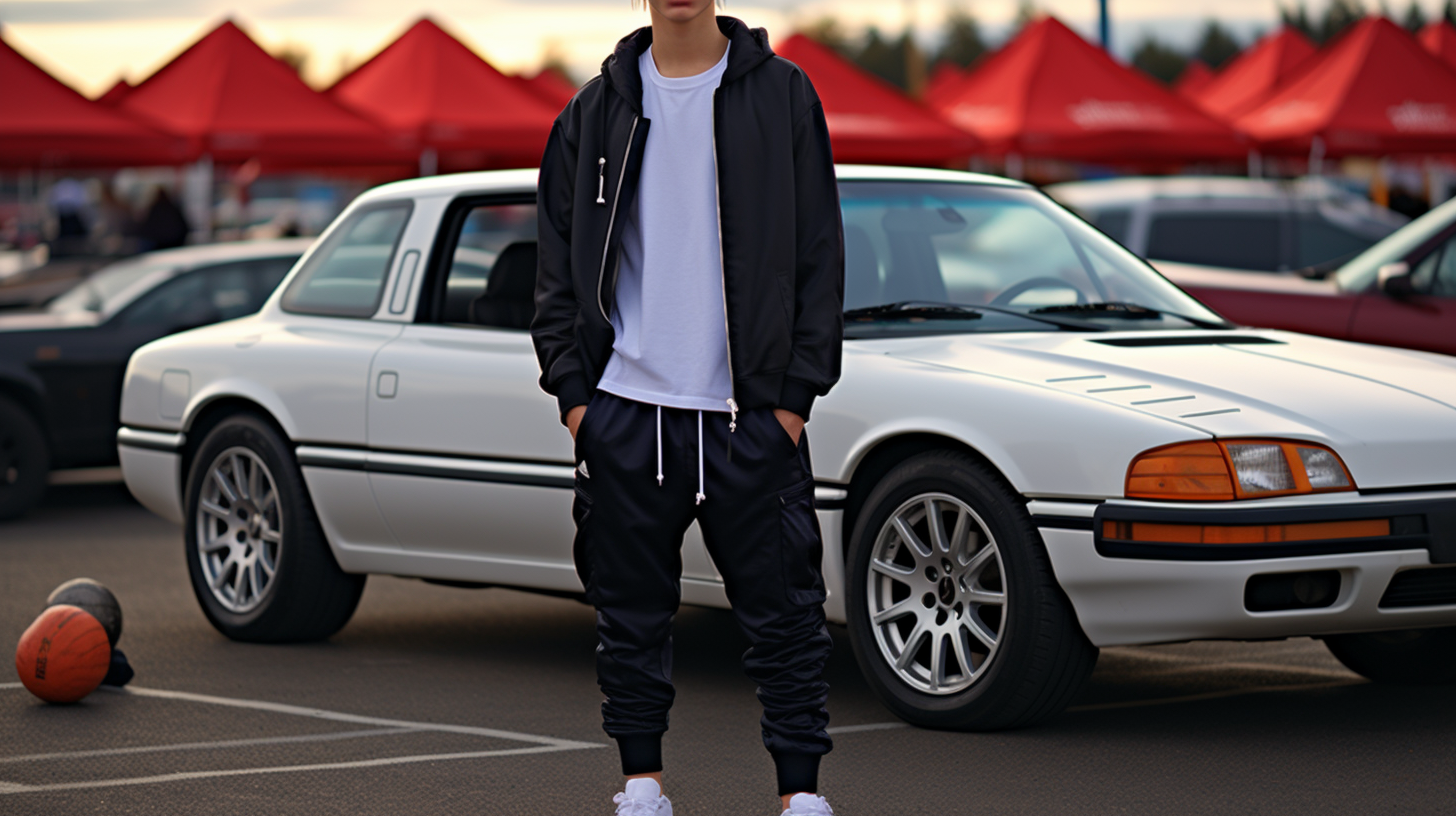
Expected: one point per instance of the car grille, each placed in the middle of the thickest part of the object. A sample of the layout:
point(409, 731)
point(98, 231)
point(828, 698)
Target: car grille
point(1421, 587)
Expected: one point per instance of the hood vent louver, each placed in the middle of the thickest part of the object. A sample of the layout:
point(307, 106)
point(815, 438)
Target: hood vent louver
point(1194, 340)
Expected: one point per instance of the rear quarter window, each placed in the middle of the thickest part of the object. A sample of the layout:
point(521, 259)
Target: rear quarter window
point(1232, 240)
point(345, 276)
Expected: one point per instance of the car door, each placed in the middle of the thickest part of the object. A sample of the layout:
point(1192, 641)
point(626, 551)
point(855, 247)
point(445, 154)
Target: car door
point(468, 457)
point(1423, 320)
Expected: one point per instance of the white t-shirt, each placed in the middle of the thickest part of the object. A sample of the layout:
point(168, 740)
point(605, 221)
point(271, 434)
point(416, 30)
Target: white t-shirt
point(671, 347)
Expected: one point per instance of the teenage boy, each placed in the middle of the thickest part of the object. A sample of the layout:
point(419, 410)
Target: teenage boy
point(688, 312)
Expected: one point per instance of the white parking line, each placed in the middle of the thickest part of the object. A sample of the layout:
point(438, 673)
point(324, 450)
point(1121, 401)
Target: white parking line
point(337, 716)
point(386, 726)
point(7, 686)
point(210, 746)
point(13, 787)
point(853, 729)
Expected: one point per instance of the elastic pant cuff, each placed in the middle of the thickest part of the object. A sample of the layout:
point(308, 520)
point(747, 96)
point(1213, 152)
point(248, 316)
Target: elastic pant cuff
point(798, 773)
point(641, 753)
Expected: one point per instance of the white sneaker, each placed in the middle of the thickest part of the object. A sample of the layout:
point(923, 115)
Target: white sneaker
point(807, 804)
point(643, 797)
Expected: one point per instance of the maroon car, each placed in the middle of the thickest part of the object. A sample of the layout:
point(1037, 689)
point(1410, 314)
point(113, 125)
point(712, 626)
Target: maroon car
point(1400, 292)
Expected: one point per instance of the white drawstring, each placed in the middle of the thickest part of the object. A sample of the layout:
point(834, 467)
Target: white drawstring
point(659, 446)
point(701, 494)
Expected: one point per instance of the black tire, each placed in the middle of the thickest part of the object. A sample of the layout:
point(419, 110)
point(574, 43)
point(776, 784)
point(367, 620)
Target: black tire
point(1410, 656)
point(25, 460)
point(308, 597)
point(1041, 657)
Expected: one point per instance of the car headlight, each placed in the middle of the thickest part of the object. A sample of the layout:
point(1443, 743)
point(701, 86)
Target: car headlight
point(1236, 469)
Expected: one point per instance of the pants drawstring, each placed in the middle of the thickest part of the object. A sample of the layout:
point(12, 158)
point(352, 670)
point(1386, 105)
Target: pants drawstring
point(701, 494)
point(659, 446)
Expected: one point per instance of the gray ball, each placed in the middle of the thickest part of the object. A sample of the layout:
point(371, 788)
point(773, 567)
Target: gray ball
point(94, 598)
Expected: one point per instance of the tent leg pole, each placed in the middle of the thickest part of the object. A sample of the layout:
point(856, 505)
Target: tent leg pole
point(1256, 165)
point(429, 162)
point(197, 199)
point(1316, 156)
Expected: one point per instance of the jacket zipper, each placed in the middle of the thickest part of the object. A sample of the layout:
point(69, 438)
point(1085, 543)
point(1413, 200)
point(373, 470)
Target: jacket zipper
point(723, 269)
point(612, 219)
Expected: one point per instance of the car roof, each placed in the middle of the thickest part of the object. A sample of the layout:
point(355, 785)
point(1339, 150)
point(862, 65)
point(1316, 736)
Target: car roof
point(506, 181)
point(1104, 192)
point(204, 254)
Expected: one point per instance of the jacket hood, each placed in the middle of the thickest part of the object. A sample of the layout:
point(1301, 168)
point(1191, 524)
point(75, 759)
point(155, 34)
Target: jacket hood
point(748, 49)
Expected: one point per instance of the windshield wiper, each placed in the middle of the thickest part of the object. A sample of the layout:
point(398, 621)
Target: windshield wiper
point(915, 310)
point(1120, 310)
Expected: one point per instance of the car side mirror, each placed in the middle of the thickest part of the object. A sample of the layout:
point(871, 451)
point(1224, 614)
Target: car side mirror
point(1395, 279)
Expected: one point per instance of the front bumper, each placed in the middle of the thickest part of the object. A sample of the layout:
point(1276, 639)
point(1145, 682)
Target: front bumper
point(1128, 592)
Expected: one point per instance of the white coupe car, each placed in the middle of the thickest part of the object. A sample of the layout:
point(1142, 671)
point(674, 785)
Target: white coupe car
point(1039, 447)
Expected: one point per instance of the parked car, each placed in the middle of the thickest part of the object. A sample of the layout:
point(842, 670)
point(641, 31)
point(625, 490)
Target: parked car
point(1308, 225)
point(61, 368)
point(1039, 447)
point(1400, 292)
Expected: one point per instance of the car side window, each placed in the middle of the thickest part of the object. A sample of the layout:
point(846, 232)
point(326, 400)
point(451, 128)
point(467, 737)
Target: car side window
point(196, 298)
point(1114, 223)
point(267, 274)
point(491, 276)
point(1317, 241)
point(1435, 274)
point(1233, 240)
point(345, 275)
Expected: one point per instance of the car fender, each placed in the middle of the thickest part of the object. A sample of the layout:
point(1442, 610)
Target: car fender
point(240, 388)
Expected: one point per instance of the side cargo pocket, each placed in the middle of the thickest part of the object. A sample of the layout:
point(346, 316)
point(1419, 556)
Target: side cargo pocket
point(801, 545)
point(581, 545)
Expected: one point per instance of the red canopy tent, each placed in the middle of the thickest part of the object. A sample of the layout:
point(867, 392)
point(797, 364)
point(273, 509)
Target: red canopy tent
point(1374, 91)
point(1255, 73)
point(1050, 93)
point(871, 121)
point(550, 86)
point(943, 80)
point(47, 124)
point(115, 93)
point(1439, 38)
point(234, 102)
point(429, 87)
point(1193, 79)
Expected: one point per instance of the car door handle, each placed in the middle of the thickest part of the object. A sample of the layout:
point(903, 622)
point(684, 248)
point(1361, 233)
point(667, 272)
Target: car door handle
point(388, 385)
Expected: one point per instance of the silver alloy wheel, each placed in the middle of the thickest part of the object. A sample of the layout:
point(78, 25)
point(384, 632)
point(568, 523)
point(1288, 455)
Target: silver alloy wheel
point(239, 529)
point(937, 599)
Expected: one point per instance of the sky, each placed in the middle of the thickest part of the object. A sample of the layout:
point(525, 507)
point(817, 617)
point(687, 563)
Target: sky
point(89, 44)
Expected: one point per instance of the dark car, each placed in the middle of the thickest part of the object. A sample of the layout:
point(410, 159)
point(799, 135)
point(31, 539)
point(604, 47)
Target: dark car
point(1400, 292)
point(61, 368)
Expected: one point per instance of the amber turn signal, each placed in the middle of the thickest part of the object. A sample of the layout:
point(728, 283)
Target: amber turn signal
point(1236, 469)
point(1243, 533)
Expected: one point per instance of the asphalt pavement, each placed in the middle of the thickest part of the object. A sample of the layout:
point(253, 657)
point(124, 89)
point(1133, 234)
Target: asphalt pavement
point(436, 700)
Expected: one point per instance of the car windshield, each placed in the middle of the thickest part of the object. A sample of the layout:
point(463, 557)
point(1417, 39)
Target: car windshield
point(92, 294)
point(1361, 271)
point(938, 257)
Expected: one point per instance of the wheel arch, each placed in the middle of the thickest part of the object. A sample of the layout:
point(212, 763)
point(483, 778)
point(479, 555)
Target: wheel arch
point(29, 395)
point(880, 457)
point(207, 415)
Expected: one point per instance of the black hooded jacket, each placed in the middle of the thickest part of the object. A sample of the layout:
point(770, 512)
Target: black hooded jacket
point(778, 204)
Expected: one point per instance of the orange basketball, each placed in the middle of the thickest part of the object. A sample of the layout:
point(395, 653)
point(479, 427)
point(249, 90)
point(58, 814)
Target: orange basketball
point(64, 655)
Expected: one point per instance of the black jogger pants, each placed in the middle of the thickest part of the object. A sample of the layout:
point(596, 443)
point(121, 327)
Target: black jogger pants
point(757, 519)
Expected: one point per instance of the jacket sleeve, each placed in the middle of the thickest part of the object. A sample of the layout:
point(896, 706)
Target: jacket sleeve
point(818, 331)
point(553, 329)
